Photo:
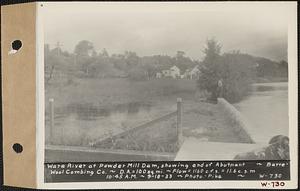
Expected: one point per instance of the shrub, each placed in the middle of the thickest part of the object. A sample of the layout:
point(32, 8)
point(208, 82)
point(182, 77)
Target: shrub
point(235, 70)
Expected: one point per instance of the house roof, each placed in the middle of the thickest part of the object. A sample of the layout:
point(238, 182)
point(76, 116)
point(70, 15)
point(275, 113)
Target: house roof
point(195, 67)
point(182, 67)
point(175, 67)
point(192, 68)
point(164, 67)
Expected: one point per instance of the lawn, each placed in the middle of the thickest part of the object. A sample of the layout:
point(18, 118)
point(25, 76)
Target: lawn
point(107, 92)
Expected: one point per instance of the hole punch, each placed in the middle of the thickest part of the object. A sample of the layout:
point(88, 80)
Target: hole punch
point(18, 148)
point(15, 46)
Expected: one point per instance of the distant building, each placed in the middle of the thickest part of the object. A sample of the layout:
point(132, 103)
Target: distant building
point(192, 73)
point(173, 72)
point(158, 75)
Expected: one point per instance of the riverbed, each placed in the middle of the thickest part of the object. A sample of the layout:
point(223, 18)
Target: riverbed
point(266, 110)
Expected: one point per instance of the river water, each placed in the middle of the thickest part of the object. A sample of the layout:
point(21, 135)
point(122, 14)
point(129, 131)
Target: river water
point(266, 110)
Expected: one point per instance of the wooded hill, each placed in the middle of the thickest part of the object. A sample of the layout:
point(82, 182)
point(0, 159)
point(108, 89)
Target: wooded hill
point(85, 62)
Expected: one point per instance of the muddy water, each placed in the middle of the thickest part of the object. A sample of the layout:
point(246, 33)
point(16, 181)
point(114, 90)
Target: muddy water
point(267, 110)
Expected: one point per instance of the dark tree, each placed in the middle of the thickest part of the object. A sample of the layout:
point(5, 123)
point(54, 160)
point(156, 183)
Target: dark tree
point(209, 72)
point(84, 52)
point(235, 70)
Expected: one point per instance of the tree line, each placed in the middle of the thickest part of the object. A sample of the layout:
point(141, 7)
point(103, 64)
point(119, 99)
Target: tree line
point(236, 70)
point(86, 62)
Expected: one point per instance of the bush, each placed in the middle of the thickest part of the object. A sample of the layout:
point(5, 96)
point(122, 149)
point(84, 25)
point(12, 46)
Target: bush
point(237, 74)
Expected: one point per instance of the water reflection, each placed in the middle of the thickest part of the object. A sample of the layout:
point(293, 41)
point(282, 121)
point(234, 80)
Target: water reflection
point(81, 124)
point(89, 111)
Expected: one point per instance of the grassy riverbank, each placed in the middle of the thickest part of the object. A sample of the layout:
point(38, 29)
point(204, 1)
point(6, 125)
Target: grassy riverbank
point(89, 110)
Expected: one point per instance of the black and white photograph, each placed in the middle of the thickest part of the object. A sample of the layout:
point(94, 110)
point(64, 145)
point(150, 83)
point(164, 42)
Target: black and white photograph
point(159, 82)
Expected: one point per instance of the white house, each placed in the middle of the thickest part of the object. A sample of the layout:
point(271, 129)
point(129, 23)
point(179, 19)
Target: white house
point(173, 72)
point(192, 73)
point(195, 72)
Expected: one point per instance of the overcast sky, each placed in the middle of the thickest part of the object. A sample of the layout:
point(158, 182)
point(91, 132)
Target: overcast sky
point(151, 29)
